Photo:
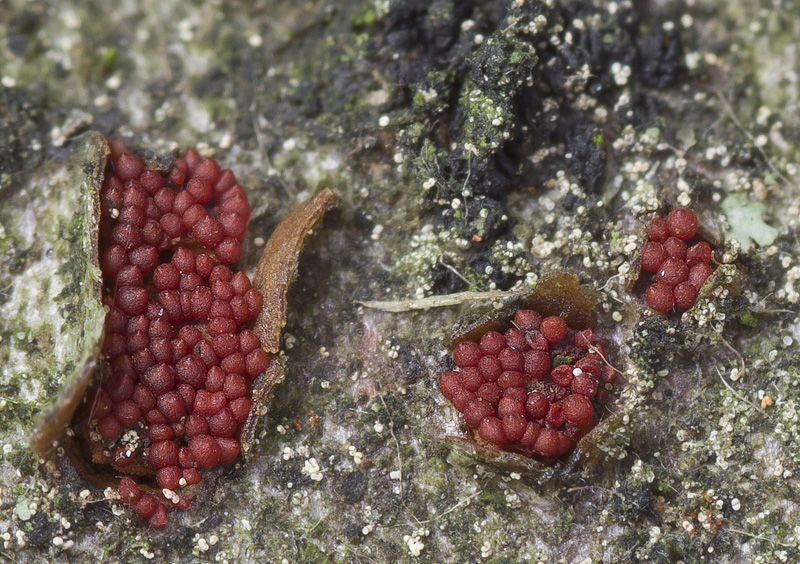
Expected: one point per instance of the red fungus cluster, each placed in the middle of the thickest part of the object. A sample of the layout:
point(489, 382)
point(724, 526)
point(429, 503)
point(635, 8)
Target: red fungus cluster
point(179, 356)
point(531, 388)
point(679, 269)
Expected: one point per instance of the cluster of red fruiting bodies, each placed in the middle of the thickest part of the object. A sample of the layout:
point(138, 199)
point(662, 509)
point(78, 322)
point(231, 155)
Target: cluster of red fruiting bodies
point(680, 270)
point(532, 387)
point(179, 356)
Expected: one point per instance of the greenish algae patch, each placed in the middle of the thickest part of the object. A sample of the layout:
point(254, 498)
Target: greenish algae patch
point(53, 322)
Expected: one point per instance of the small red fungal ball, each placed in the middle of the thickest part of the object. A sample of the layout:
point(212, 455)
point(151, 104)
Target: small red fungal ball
point(659, 297)
point(114, 258)
point(208, 232)
point(196, 424)
point(191, 476)
point(208, 403)
point(527, 320)
point(511, 379)
point(555, 416)
point(470, 378)
point(133, 216)
point(233, 225)
point(518, 393)
point(462, 398)
point(492, 343)
point(685, 295)
point(234, 364)
point(164, 200)
point(675, 248)
point(467, 353)
point(531, 434)
point(562, 375)
point(228, 449)
point(169, 477)
point(698, 253)
point(228, 251)
point(490, 392)
point(159, 378)
point(584, 385)
point(256, 362)
point(222, 423)
point(109, 427)
point(199, 189)
point(491, 430)
point(226, 181)
point(578, 410)
point(191, 370)
point(163, 453)
point(127, 412)
point(240, 283)
point(151, 182)
point(158, 520)
point(554, 329)
point(171, 405)
point(254, 301)
point(507, 406)
point(128, 490)
point(490, 368)
point(183, 201)
point(128, 166)
point(516, 339)
point(205, 451)
point(698, 274)
point(514, 426)
point(672, 272)
point(537, 405)
point(537, 364)
point(547, 443)
point(132, 300)
point(130, 275)
point(583, 339)
point(185, 459)
point(653, 254)
point(154, 417)
point(537, 341)
point(146, 506)
point(511, 359)
point(120, 386)
point(159, 432)
point(682, 223)
point(240, 408)
point(225, 344)
point(589, 366)
point(475, 412)
point(161, 349)
point(658, 231)
point(234, 387)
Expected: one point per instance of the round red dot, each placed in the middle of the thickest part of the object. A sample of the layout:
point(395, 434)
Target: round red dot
point(491, 430)
point(554, 329)
point(467, 353)
point(682, 223)
point(659, 297)
point(578, 409)
point(653, 254)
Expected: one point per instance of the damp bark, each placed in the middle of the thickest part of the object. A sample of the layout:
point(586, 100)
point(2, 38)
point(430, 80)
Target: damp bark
point(476, 146)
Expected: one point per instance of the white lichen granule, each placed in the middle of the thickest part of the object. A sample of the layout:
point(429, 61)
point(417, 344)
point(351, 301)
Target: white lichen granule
point(312, 469)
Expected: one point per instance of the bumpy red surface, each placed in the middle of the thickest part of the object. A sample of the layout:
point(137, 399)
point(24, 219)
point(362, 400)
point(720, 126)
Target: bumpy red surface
point(678, 270)
point(180, 358)
point(513, 396)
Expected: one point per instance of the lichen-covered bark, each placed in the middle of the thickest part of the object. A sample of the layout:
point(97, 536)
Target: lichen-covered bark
point(475, 146)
